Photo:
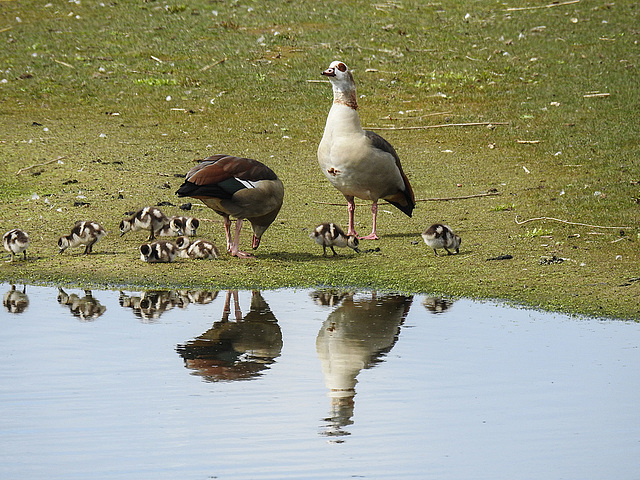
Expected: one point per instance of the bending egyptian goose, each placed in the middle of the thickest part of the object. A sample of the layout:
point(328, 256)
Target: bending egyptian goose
point(241, 188)
point(357, 162)
point(147, 218)
point(82, 233)
point(196, 249)
point(331, 235)
point(441, 236)
point(158, 252)
point(16, 241)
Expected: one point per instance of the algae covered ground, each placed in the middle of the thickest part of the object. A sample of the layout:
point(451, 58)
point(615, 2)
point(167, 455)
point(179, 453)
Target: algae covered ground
point(515, 122)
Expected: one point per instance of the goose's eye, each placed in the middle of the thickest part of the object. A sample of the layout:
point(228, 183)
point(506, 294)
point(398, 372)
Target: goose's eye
point(342, 67)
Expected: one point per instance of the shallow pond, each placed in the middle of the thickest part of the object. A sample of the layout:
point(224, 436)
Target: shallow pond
point(310, 385)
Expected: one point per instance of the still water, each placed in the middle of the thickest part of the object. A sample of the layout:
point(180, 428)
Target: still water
point(307, 384)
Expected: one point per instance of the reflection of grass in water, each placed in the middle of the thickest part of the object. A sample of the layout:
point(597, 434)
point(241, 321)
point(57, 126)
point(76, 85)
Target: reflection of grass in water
point(132, 92)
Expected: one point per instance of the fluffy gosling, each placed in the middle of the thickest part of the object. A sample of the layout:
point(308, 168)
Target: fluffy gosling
point(158, 252)
point(178, 226)
point(16, 242)
point(147, 218)
point(196, 249)
point(82, 233)
point(331, 235)
point(441, 236)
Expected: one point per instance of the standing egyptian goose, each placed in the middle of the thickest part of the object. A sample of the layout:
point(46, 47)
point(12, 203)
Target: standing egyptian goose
point(16, 241)
point(82, 233)
point(331, 235)
point(147, 218)
point(441, 236)
point(357, 162)
point(241, 188)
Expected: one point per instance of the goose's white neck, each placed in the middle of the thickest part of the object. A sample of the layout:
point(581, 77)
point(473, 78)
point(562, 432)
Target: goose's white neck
point(344, 93)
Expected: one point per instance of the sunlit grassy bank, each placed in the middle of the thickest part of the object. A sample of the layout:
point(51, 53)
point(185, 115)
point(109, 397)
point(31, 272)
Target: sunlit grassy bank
point(127, 95)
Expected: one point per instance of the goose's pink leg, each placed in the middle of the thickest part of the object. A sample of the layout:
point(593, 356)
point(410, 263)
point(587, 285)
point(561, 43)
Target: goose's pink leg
point(351, 209)
point(227, 232)
point(373, 235)
point(234, 250)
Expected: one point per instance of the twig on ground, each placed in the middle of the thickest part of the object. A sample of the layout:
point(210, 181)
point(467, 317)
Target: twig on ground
point(550, 5)
point(620, 239)
point(592, 95)
point(563, 221)
point(463, 197)
point(420, 117)
point(39, 164)
point(64, 63)
point(204, 69)
point(439, 199)
point(423, 127)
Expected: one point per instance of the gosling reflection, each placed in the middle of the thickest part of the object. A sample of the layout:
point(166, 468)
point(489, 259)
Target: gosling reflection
point(329, 298)
point(16, 301)
point(151, 304)
point(235, 350)
point(86, 308)
point(436, 304)
point(202, 297)
point(355, 336)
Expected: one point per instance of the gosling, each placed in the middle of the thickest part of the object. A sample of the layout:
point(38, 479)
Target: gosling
point(82, 233)
point(147, 218)
point(441, 236)
point(331, 235)
point(179, 226)
point(158, 252)
point(16, 242)
point(196, 249)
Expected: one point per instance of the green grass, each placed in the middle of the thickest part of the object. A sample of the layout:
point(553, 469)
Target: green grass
point(131, 93)
point(538, 232)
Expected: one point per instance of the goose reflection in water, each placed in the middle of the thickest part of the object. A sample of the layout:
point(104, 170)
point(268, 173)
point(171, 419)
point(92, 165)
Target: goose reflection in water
point(235, 350)
point(86, 308)
point(355, 336)
point(150, 305)
point(16, 301)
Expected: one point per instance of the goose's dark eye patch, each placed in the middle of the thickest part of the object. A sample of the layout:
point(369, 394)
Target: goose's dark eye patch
point(342, 67)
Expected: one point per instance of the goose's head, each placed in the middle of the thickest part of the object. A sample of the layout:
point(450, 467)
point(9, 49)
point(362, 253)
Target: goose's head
point(339, 73)
point(344, 86)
